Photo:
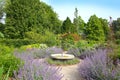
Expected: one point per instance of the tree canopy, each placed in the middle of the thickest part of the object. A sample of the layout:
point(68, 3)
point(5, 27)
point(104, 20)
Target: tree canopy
point(24, 15)
point(67, 26)
point(94, 29)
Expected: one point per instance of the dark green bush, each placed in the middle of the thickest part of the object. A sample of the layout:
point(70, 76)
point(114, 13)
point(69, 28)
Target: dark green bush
point(49, 38)
point(117, 35)
point(117, 41)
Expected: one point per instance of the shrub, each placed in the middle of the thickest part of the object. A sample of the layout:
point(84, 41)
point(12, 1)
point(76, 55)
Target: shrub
point(2, 76)
point(66, 41)
point(80, 53)
point(7, 59)
point(43, 53)
point(115, 54)
point(86, 45)
point(83, 48)
point(117, 35)
point(32, 46)
point(99, 67)
point(17, 42)
point(36, 69)
point(48, 38)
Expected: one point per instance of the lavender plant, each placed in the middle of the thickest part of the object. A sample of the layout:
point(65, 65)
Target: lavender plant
point(43, 53)
point(99, 67)
point(80, 53)
point(36, 69)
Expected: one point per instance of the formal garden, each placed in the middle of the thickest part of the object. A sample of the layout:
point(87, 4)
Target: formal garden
point(32, 35)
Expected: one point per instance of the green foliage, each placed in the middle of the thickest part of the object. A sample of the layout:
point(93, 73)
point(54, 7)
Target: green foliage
point(48, 38)
point(117, 41)
point(105, 27)
point(62, 62)
point(94, 29)
point(23, 16)
point(86, 45)
point(33, 35)
point(2, 26)
point(1, 35)
point(67, 26)
point(67, 40)
point(75, 21)
point(79, 25)
point(17, 42)
point(115, 54)
point(8, 60)
point(116, 25)
point(1, 74)
point(39, 46)
point(117, 34)
point(116, 28)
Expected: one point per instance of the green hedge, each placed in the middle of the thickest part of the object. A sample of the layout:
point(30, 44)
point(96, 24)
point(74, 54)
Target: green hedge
point(17, 42)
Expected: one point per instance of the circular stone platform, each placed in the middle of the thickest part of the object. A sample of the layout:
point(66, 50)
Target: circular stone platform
point(62, 56)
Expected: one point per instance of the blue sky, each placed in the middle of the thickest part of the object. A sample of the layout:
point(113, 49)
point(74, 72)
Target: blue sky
point(86, 8)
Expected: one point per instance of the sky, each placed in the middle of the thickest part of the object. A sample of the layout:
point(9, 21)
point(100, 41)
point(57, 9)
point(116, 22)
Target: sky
point(86, 8)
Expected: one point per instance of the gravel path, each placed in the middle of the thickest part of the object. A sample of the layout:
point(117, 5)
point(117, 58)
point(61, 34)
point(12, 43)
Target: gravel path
point(70, 72)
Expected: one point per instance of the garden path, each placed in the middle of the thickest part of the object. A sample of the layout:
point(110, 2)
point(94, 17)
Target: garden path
point(70, 72)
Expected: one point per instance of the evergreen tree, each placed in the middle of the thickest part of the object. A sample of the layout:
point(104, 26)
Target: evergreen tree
point(116, 25)
point(78, 23)
point(75, 21)
point(94, 29)
point(67, 26)
point(80, 26)
point(116, 28)
point(24, 15)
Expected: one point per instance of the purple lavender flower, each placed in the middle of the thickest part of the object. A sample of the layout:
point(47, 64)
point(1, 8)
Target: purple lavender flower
point(99, 67)
point(36, 69)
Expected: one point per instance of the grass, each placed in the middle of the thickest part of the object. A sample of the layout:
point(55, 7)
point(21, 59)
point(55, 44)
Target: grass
point(62, 62)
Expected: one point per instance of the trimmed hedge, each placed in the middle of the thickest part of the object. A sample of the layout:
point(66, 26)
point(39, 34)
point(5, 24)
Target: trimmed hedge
point(17, 42)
